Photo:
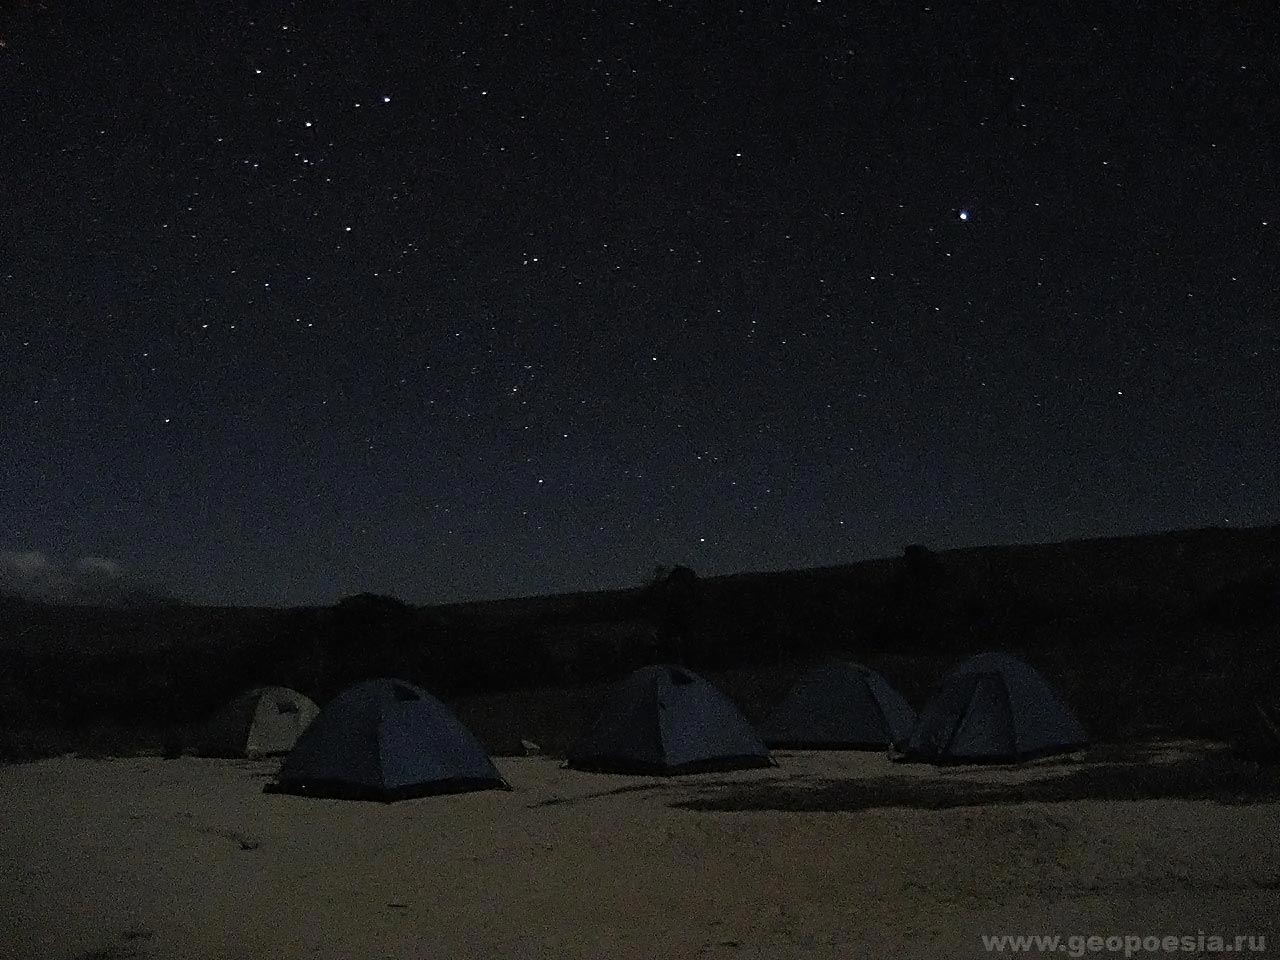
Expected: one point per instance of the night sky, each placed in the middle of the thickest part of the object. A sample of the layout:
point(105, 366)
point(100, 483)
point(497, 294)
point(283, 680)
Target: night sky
point(465, 300)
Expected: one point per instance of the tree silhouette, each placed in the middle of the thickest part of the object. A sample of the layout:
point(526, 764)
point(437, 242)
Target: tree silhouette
point(674, 596)
point(363, 634)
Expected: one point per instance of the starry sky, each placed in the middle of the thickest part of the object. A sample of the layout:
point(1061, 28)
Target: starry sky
point(458, 301)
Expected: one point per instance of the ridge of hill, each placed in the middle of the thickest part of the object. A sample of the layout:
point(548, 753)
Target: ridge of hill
point(1147, 631)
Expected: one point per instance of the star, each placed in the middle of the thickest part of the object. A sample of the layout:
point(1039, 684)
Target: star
point(764, 287)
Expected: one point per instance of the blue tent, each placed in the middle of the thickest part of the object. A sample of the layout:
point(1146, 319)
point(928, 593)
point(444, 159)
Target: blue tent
point(842, 706)
point(385, 740)
point(666, 720)
point(992, 707)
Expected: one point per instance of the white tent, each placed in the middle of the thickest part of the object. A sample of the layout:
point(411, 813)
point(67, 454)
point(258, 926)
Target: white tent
point(258, 723)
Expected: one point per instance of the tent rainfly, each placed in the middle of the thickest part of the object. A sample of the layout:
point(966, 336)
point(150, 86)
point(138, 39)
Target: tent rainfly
point(386, 740)
point(666, 720)
point(992, 708)
point(839, 705)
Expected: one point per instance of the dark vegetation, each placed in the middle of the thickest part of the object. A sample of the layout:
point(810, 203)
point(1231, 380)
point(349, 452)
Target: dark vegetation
point(1147, 636)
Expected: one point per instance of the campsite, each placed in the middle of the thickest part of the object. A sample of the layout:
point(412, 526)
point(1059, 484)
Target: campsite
point(629, 481)
point(615, 798)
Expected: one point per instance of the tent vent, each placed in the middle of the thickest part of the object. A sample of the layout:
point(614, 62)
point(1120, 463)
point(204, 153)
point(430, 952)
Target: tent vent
point(680, 678)
point(404, 693)
point(286, 706)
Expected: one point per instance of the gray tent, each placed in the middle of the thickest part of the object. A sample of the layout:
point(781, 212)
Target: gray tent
point(385, 740)
point(258, 723)
point(667, 720)
point(992, 707)
point(842, 706)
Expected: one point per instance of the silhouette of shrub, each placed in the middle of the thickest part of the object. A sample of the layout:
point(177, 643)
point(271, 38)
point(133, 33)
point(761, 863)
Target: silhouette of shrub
point(671, 601)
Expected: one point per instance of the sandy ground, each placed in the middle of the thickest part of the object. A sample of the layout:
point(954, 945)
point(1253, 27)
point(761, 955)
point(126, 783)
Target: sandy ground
point(186, 858)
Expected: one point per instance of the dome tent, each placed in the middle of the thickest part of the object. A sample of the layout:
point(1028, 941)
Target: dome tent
point(992, 708)
point(260, 722)
point(839, 705)
point(665, 719)
point(386, 740)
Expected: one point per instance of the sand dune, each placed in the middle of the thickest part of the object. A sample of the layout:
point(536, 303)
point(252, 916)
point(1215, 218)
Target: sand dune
point(188, 859)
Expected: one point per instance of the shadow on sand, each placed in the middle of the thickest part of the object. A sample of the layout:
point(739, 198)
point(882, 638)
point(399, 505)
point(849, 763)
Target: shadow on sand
point(1118, 773)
